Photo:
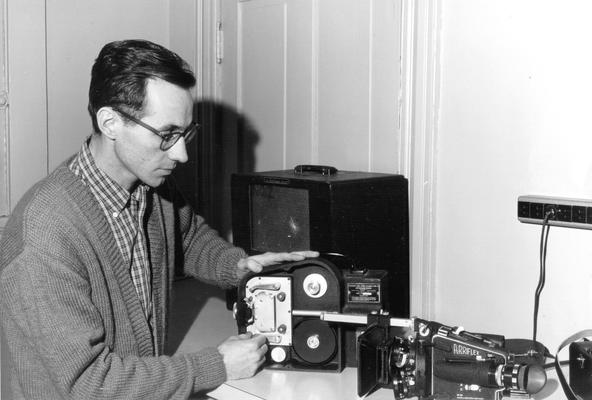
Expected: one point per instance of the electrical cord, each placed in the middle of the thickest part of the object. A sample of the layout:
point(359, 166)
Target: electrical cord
point(558, 364)
point(542, 256)
point(551, 365)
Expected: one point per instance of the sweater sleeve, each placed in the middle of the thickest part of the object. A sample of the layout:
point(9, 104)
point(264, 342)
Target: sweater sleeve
point(54, 332)
point(206, 255)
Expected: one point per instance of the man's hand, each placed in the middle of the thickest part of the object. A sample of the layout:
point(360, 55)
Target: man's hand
point(243, 355)
point(256, 263)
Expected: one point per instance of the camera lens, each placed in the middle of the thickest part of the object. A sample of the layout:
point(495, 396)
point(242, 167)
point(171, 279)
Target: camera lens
point(530, 378)
point(524, 377)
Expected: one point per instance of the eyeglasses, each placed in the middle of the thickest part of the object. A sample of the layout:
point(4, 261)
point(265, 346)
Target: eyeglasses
point(170, 137)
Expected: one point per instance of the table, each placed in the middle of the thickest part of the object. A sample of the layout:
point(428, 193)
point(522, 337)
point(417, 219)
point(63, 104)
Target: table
point(206, 322)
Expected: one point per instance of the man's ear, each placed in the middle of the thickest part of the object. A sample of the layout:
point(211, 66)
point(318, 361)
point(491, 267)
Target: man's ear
point(109, 122)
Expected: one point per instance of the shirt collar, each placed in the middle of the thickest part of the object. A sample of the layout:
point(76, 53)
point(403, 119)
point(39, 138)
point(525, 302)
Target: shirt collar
point(107, 190)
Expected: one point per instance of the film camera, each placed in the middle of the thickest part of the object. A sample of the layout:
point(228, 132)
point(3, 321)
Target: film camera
point(320, 316)
point(285, 303)
point(428, 360)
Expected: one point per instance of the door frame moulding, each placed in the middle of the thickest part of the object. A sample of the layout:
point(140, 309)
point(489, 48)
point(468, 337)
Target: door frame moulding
point(4, 136)
point(419, 123)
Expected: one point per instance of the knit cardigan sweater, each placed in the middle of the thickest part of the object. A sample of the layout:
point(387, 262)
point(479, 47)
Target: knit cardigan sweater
point(73, 324)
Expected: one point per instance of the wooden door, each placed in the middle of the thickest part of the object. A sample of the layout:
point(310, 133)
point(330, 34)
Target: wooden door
point(316, 81)
point(348, 83)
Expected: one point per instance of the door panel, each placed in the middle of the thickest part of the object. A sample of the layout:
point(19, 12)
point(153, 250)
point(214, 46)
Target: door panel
point(344, 86)
point(261, 75)
point(319, 81)
point(301, 78)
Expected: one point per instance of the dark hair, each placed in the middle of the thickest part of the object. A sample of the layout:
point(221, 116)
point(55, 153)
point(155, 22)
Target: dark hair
point(122, 69)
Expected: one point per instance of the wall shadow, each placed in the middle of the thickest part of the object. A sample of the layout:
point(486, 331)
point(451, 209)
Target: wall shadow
point(224, 145)
point(189, 298)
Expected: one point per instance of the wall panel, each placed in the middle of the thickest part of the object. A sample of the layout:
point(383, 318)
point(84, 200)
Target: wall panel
point(301, 81)
point(28, 95)
point(344, 83)
point(76, 31)
point(4, 159)
point(262, 76)
point(386, 88)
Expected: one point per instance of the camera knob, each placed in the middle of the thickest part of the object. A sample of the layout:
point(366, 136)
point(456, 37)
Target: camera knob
point(313, 341)
point(424, 330)
point(278, 354)
point(314, 288)
point(315, 285)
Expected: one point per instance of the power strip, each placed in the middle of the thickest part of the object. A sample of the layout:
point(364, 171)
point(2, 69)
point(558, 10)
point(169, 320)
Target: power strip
point(568, 213)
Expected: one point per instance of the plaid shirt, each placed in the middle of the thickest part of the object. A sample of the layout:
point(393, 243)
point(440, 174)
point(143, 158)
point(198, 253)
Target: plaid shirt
point(125, 213)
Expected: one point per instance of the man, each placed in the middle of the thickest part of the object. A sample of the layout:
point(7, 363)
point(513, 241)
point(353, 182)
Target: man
point(88, 255)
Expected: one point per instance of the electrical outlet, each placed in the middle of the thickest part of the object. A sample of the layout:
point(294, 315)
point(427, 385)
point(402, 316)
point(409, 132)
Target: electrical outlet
point(569, 213)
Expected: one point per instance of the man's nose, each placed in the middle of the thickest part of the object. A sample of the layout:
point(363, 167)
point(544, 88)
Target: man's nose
point(178, 152)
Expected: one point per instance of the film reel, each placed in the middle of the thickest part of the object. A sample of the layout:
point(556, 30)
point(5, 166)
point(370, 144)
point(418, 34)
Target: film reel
point(316, 288)
point(314, 341)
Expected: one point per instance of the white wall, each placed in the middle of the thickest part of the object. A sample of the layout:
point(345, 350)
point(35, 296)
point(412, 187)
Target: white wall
point(76, 31)
point(514, 119)
point(51, 47)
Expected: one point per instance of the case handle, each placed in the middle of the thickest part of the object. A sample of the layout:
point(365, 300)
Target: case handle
point(318, 169)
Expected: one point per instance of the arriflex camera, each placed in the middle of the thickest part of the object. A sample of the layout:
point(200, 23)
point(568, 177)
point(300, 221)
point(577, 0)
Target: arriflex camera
point(429, 360)
point(318, 316)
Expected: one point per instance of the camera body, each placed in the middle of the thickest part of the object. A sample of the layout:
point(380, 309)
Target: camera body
point(284, 303)
point(431, 360)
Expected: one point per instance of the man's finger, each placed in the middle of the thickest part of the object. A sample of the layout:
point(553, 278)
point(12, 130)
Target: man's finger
point(246, 335)
point(254, 265)
point(260, 339)
point(306, 253)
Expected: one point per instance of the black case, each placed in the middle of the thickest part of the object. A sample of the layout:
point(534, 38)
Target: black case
point(580, 369)
point(362, 215)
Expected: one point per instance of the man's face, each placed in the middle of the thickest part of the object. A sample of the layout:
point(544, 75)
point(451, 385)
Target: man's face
point(137, 149)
